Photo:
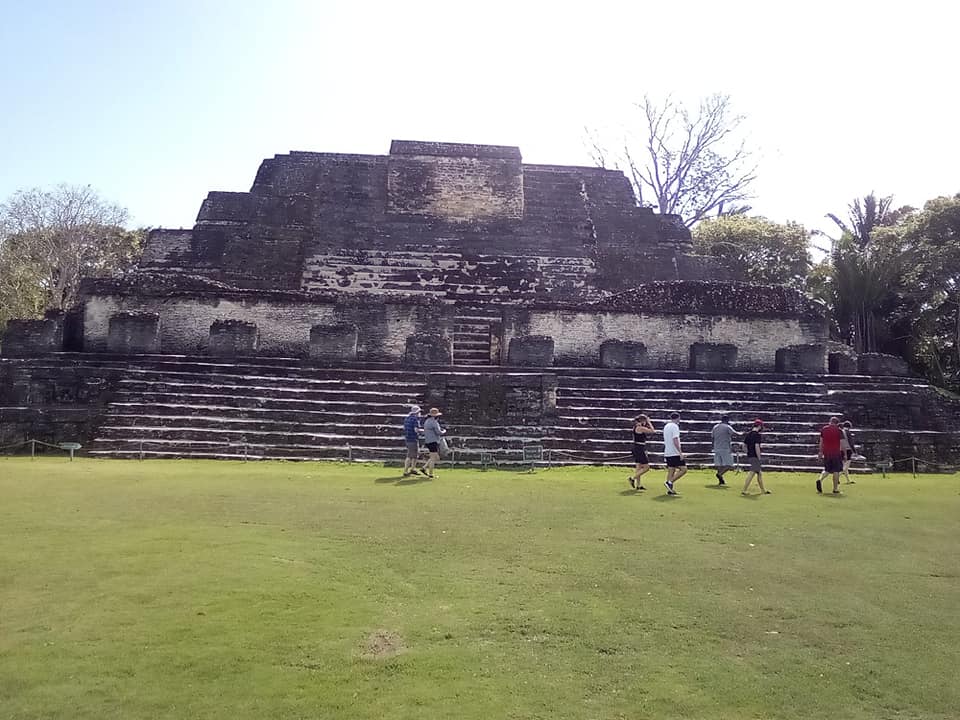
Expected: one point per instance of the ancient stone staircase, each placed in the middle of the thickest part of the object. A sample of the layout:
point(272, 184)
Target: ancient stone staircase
point(595, 408)
point(277, 408)
point(274, 409)
point(471, 336)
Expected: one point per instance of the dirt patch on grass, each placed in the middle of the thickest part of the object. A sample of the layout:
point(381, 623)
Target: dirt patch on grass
point(382, 644)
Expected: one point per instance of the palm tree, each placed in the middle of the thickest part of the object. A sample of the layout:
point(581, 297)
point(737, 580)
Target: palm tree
point(865, 282)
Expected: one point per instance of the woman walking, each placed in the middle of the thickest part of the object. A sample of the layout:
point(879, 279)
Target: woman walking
point(753, 441)
point(432, 435)
point(641, 428)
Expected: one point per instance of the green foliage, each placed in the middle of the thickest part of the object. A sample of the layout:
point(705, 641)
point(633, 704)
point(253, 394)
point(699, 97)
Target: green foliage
point(291, 590)
point(930, 312)
point(50, 239)
point(763, 251)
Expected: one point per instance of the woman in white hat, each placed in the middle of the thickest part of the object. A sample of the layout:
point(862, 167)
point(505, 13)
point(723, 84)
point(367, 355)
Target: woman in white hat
point(432, 433)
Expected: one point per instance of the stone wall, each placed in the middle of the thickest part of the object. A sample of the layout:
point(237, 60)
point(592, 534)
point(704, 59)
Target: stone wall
point(578, 336)
point(284, 325)
point(23, 338)
point(453, 181)
point(495, 399)
point(53, 400)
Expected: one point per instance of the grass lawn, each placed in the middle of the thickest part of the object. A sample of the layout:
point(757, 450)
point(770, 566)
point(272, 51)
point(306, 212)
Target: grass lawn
point(176, 589)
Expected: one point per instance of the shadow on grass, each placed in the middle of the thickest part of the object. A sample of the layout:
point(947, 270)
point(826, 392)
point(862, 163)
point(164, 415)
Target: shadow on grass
point(835, 496)
point(628, 493)
point(750, 496)
point(414, 480)
point(666, 498)
point(717, 487)
point(391, 479)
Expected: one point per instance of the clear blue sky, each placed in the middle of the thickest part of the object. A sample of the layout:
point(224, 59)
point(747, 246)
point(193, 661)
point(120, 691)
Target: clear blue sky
point(157, 103)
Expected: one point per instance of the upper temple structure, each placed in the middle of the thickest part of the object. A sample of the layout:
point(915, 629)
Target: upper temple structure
point(536, 304)
point(440, 219)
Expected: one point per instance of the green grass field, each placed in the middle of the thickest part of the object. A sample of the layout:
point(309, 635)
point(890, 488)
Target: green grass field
point(175, 589)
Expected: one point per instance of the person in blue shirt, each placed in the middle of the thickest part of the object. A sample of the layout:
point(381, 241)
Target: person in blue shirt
point(411, 436)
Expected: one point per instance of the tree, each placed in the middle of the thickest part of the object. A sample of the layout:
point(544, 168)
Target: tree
point(931, 318)
point(681, 163)
point(867, 214)
point(49, 239)
point(764, 251)
point(866, 286)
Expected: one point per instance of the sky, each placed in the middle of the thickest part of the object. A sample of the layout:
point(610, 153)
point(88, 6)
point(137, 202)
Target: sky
point(157, 103)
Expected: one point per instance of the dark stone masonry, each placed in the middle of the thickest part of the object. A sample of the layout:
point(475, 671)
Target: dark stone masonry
point(537, 305)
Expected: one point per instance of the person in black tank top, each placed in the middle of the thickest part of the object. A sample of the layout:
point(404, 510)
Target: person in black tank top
point(641, 428)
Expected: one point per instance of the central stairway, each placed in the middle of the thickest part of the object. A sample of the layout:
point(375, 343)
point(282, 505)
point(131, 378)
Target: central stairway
point(471, 336)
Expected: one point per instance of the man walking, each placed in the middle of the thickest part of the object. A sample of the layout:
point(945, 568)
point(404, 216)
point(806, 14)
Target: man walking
point(672, 453)
point(411, 436)
point(723, 435)
point(831, 453)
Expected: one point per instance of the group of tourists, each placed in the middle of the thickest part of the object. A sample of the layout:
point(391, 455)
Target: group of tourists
point(836, 449)
point(432, 433)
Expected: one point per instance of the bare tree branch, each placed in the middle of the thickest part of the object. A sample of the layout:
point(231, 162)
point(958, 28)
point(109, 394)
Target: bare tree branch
point(693, 163)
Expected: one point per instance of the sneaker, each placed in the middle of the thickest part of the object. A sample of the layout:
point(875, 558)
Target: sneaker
point(836, 492)
point(819, 487)
point(429, 475)
point(640, 487)
point(766, 492)
point(722, 482)
point(632, 481)
point(407, 474)
point(744, 492)
point(423, 472)
point(669, 486)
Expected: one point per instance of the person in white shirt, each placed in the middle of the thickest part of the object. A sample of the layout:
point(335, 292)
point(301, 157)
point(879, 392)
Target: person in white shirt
point(672, 453)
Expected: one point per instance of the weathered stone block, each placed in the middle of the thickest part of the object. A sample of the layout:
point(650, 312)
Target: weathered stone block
point(713, 357)
point(880, 364)
point(842, 363)
point(134, 333)
point(23, 338)
point(336, 341)
point(809, 358)
point(531, 350)
point(234, 338)
point(428, 349)
point(623, 354)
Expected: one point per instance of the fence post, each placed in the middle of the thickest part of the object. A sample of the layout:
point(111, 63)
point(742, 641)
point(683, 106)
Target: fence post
point(913, 464)
point(244, 452)
point(33, 449)
point(141, 451)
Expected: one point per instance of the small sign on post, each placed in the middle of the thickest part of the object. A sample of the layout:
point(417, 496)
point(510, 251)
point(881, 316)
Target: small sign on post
point(71, 446)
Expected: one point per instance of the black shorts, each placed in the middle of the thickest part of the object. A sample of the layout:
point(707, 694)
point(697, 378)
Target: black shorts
point(833, 463)
point(674, 461)
point(640, 456)
point(433, 447)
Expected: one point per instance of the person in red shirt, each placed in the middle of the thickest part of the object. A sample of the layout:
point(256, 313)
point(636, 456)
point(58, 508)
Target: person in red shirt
point(831, 453)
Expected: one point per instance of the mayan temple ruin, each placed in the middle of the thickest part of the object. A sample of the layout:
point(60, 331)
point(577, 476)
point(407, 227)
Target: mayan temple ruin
point(538, 305)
